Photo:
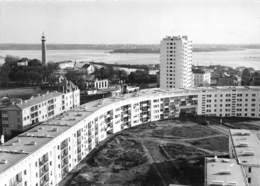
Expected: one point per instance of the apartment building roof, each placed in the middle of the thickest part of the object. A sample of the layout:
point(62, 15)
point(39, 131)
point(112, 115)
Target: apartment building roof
point(38, 99)
point(178, 37)
point(246, 144)
point(221, 171)
point(199, 71)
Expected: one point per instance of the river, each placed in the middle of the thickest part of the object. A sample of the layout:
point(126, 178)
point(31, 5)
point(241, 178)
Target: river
point(235, 58)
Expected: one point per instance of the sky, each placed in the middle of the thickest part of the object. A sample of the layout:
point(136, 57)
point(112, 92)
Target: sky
point(129, 21)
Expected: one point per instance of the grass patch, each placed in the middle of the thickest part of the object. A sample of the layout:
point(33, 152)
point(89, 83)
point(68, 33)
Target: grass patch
point(215, 144)
point(186, 131)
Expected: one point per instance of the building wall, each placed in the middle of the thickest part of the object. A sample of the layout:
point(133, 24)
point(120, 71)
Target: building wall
point(202, 79)
point(18, 119)
point(176, 61)
point(97, 84)
point(65, 151)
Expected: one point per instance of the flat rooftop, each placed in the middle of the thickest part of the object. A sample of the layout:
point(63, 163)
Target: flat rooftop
point(221, 171)
point(247, 146)
point(30, 141)
point(38, 99)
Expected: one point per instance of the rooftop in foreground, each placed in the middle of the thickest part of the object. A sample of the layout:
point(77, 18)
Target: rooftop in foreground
point(246, 144)
point(220, 171)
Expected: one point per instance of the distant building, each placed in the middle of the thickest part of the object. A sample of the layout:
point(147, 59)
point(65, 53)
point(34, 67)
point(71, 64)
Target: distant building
point(124, 89)
point(66, 64)
point(19, 115)
point(255, 79)
point(97, 84)
point(22, 62)
point(175, 62)
point(201, 78)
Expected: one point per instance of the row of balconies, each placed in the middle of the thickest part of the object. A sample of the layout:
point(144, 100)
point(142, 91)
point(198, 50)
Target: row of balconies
point(43, 160)
point(64, 153)
point(64, 144)
point(64, 171)
point(44, 170)
point(64, 162)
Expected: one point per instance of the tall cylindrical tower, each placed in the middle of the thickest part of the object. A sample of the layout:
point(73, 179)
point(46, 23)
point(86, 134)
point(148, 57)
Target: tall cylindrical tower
point(43, 50)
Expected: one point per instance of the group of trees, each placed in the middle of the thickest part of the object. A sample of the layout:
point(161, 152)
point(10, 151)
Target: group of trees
point(32, 73)
point(250, 78)
point(135, 77)
point(115, 76)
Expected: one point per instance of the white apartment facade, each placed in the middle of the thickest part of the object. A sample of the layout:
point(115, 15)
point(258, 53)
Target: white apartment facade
point(175, 62)
point(201, 78)
point(44, 154)
point(97, 84)
point(19, 116)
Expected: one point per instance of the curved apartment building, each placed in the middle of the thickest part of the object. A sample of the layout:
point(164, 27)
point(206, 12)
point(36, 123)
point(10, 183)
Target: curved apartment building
point(44, 155)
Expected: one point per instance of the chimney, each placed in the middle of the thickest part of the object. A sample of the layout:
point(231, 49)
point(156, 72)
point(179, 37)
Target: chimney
point(43, 50)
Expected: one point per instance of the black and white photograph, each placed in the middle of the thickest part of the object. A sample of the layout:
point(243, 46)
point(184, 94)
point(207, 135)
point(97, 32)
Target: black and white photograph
point(129, 92)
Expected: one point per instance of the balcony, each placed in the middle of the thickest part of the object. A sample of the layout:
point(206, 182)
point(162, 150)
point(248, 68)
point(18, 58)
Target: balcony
point(64, 153)
point(64, 144)
point(64, 162)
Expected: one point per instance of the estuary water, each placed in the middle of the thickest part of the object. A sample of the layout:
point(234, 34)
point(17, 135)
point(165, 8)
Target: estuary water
point(234, 58)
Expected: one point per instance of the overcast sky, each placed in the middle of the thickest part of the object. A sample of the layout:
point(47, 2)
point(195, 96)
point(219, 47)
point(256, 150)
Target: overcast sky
point(129, 21)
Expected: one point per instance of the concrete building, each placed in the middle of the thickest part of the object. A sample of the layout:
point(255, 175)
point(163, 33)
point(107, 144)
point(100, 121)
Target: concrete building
point(21, 115)
point(45, 154)
point(224, 172)
point(97, 84)
point(244, 147)
point(175, 62)
point(44, 59)
point(124, 89)
point(201, 78)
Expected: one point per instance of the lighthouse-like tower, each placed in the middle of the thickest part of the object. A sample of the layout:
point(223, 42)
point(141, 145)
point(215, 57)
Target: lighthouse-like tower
point(43, 50)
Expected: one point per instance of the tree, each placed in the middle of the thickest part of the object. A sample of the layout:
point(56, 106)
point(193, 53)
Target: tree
point(34, 62)
point(11, 59)
point(246, 77)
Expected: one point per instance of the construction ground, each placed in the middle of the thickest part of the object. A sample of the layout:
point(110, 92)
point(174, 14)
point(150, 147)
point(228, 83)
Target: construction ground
point(153, 154)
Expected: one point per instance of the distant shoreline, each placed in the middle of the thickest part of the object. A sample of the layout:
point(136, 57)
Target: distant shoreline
point(127, 48)
point(148, 51)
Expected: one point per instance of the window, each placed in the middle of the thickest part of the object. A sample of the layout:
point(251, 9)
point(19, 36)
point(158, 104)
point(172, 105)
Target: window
point(249, 180)
point(249, 169)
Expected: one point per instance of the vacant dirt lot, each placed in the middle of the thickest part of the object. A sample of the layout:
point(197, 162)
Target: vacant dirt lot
point(213, 143)
point(154, 154)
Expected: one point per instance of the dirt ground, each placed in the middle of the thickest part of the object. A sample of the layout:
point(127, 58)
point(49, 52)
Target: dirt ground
point(251, 125)
point(154, 154)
